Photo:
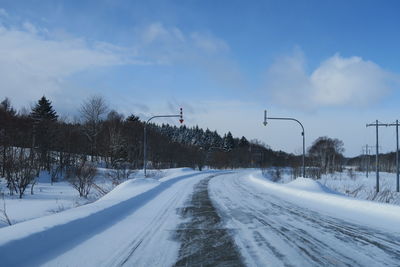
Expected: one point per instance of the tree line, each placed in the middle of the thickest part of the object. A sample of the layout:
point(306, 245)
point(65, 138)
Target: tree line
point(387, 162)
point(40, 140)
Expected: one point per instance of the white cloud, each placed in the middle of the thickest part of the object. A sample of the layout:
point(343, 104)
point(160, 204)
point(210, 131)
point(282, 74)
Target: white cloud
point(158, 32)
point(168, 45)
point(30, 28)
point(32, 64)
point(208, 43)
point(160, 44)
point(34, 61)
point(338, 81)
point(3, 13)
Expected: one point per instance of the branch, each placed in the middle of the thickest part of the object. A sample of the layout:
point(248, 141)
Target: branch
point(5, 218)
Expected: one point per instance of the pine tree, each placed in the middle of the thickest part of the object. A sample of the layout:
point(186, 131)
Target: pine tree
point(132, 118)
point(207, 139)
point(243, 142)
point(43, 110)
point(229, 143)
point(217, 140)
point(6, 107)
point(43, 116)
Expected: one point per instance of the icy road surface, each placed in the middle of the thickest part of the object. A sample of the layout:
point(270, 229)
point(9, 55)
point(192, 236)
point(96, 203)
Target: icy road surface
point(271, 231)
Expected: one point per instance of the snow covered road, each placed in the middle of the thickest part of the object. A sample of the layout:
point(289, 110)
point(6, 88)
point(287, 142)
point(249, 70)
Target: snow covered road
point(271, 231)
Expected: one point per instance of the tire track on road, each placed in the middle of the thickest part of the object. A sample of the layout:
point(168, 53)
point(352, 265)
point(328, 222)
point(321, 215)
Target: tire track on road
point(204, 240)
point(133, 252)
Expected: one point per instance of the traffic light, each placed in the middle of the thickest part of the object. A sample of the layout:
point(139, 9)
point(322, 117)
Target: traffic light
point(181, 118)
point(265, 118)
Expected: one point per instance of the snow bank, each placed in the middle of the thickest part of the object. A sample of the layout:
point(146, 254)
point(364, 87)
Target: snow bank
point(311, 194)
point(44, 235)
point(130, 188)
point(136, 186)
point(310, 185)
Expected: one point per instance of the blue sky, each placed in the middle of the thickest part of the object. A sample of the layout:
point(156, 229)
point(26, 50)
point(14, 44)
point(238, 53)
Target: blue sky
point(334, 65)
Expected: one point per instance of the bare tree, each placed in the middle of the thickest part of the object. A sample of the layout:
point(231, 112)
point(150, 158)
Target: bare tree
point(5, 218)
point(81, 177)
point(21, 170)
point(120, 173)
point(92, 111)
point(327, 154)
point(115, 142)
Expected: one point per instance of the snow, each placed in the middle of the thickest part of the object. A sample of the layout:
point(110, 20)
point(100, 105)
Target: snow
point(90, 234)
point(313, 195)
point(362, 187)
point(309, 185)
point(354, 184)
point(272, 223)
point(129, 188)
point(47, 199)
point(300, 224)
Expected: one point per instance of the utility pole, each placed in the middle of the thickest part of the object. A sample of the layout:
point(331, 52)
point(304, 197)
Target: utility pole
point(397, 153)
point(367, 151)
point(302, 133)
point(180, 115)
point(377, 124)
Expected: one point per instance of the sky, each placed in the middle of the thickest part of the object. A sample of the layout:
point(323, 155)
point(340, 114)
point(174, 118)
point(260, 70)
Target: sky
point(333, 65)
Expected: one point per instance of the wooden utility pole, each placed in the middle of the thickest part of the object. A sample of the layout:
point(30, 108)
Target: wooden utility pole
point(377, 124)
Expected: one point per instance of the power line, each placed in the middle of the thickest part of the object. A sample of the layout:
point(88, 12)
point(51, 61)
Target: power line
point(367, 150)
point(377, 125)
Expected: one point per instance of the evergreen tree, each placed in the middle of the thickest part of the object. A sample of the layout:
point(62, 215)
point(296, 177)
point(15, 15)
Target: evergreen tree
point(243, 142)
point(5, 106)
point(43, 110)
point(43, 116)
point(132, 118)
point(207, 139)
point(229, 143)
point(7, 114)
point(217, 140)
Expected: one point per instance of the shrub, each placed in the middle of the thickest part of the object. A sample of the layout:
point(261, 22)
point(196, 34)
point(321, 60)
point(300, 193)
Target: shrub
point(81, 177)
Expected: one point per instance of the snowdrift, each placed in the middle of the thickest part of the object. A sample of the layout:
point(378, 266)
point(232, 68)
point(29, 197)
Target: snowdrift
point(310, 185)
point(41, 239)
point(313, 195)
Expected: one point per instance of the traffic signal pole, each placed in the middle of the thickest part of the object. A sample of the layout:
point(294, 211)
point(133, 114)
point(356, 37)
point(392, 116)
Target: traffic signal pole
point(302, 133)
point(180, 116)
